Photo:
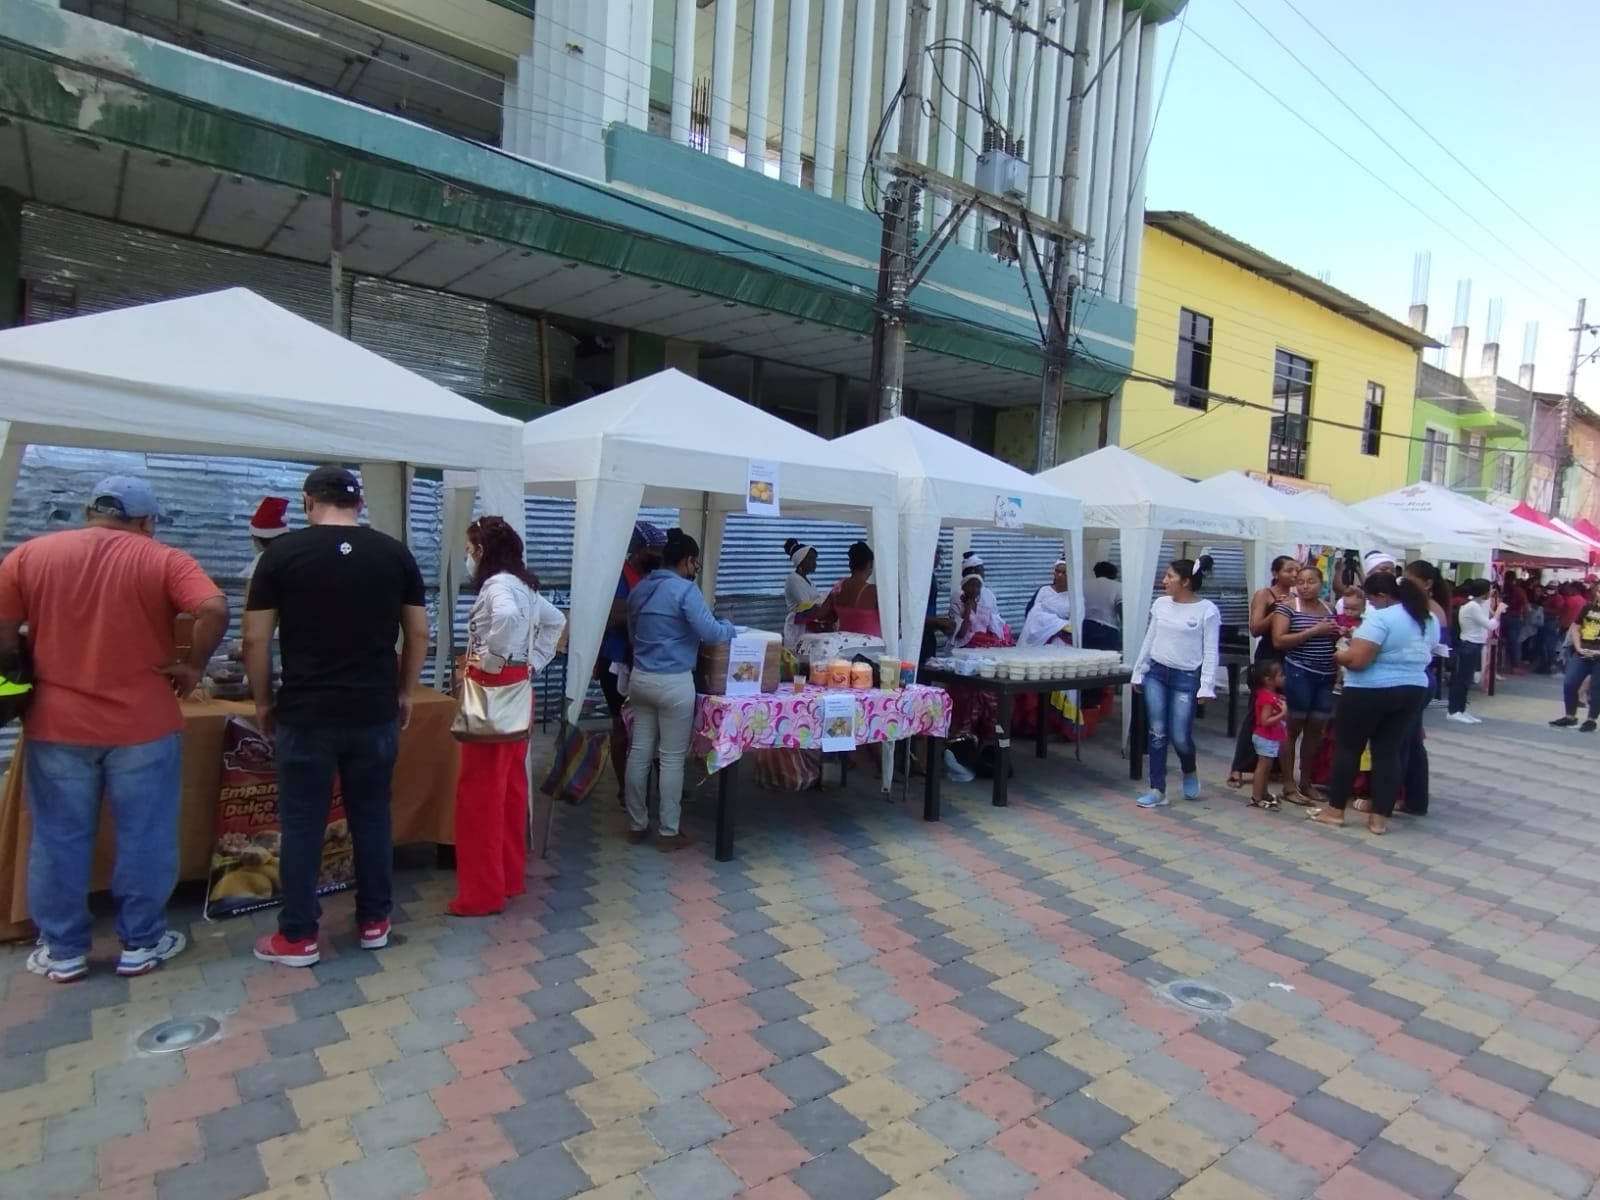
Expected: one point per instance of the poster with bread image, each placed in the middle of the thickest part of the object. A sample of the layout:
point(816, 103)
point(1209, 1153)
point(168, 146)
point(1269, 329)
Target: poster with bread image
point(248, 837)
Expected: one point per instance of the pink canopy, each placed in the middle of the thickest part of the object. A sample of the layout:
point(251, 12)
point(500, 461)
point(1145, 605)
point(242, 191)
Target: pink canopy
point(1575, 532)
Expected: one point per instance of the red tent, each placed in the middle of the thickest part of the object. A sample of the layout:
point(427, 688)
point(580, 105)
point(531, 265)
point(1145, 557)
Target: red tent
point(1528, 513)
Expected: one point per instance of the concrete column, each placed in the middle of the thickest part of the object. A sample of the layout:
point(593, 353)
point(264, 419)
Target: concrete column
point(825, 148)
point(592, 66)
point(952, 69)
point(385, 488)
point(1105, 139)
point(755, 132)
point(862, 118)
point(682, 70)
point(724, 43)
point(682, 356)
point(1089, 163)
point(831, 400)
point(10, 262)
point(1133, 222)
point(1117, 213)
point(793, 122)
point(972, 136)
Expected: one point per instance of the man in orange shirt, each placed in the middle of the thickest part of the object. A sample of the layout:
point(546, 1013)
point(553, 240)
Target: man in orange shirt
point(100, 605)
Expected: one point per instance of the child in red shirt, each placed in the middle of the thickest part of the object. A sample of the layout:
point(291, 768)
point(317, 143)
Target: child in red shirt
point(1270, 712)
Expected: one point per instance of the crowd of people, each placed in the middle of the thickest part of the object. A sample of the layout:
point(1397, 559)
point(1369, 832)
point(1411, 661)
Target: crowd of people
point(1340, 678)
point(1339, 684)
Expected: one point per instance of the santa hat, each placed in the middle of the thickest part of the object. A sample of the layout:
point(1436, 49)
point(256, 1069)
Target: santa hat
point(269, 522)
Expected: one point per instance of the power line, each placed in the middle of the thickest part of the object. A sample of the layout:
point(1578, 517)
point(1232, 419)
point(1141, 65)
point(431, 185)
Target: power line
point(1429, 134)
point(1384, 183)
point(1390, 146)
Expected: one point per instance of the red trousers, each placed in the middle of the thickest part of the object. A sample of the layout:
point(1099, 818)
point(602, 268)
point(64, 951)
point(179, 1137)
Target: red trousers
point(491, 824)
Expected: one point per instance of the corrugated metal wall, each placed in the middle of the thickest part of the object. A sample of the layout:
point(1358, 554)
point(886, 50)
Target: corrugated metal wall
point(77, 265)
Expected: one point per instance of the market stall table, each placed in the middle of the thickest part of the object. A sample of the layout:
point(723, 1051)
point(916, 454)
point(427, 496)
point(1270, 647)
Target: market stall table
point(725, 727)
point(1007, 689)
point(423, 807)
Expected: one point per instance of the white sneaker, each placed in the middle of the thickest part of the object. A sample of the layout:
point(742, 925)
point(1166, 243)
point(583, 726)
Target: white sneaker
point(954, 769)
point(143, 961)
point(1461, 718)
point(57, 970)
point(1473, 719)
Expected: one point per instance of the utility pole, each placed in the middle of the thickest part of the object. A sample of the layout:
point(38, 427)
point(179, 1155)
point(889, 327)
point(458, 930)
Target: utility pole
point(1563, 458)
point(336, 249)
point(895, 256)
point(1063, 280)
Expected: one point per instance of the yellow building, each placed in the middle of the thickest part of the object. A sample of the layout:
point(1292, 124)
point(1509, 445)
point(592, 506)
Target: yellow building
point(1326, 382)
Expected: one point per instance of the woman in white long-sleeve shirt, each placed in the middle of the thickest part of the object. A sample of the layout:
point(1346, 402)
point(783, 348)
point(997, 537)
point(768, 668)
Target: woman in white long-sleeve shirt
point(511, 634)
point(1479, 617)
point(1176, 665)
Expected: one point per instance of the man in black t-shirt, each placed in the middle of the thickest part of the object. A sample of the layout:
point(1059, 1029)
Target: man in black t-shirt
point(340, 596)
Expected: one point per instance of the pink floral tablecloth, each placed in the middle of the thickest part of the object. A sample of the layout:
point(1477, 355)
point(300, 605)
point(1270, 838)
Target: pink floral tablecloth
point(726, 726)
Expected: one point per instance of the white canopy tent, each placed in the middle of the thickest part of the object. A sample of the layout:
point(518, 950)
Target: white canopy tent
point(946, 482)
point(1459, 528)
point(1140, 503)
point(674, 442)
point(1286, 522)
point(1362, 531)
point(229, 373)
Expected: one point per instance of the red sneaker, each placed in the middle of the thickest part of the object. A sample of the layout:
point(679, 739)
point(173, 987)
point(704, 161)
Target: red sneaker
point(275, 948)
point(374, 934)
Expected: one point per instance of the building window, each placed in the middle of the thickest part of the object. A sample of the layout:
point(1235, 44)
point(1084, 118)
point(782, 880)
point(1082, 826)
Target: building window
point(1289, 449)
point(1194, 360)
point(1505, 473)
point(1372, 419)
point(1435, 455)
point(1469, 461)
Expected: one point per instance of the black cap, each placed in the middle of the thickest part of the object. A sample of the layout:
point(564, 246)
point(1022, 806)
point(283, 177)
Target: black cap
point(332, 485)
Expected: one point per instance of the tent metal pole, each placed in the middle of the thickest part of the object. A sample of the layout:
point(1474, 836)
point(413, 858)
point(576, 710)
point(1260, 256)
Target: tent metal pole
point(336, 249)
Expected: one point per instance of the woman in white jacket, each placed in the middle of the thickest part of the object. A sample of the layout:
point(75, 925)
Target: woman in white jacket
point(511, 635)
point(1176, 666)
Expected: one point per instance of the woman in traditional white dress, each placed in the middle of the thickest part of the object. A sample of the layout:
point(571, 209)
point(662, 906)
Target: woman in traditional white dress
point(800, 595)
point(1049, 614)
point(1049, 619)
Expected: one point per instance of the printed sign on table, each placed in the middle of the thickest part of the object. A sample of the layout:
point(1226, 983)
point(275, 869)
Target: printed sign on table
point(838, 721)
point(247, 841)
point(761, 488)
point(746, 656)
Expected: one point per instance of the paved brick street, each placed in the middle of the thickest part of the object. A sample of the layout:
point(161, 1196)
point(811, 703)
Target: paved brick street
point(866, 1005)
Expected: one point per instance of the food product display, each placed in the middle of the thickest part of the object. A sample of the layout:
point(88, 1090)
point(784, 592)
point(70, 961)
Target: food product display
point(861, 676)
point(828, 646)
point(1024, 663)
point(839, 673)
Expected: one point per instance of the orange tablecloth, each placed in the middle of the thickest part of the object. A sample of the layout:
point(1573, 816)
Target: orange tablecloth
point(424, 798)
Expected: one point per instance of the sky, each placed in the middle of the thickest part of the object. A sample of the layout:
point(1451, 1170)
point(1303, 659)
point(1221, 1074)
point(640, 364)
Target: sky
point(1512, 90)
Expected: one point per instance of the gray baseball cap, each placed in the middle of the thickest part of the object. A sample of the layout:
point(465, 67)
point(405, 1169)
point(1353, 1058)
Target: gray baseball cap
point(124, 496)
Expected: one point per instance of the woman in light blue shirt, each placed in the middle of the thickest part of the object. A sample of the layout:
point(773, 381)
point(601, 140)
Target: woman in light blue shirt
point(1385, 690)
point(668, 621)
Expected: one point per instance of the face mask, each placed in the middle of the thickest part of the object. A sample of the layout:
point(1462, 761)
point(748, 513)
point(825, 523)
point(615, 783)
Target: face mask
point(471, 565)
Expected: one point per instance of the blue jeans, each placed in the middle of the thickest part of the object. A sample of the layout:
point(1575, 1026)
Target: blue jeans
point(64, 785)
point(1469, 661)
point(309, 758)
point(1511, 635)
point(1578, 669)
point(1549, 646)
point(1308, 693)
point(1169, 707)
